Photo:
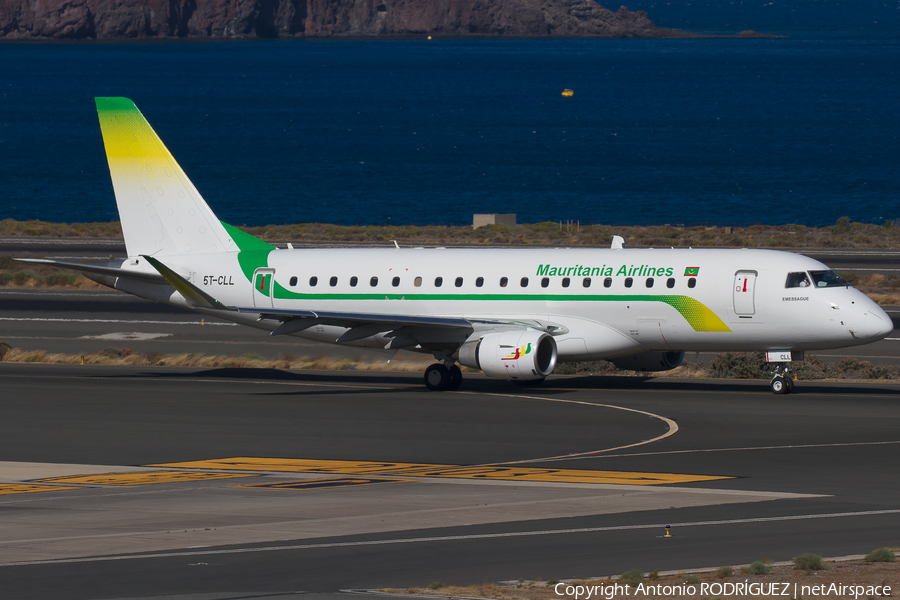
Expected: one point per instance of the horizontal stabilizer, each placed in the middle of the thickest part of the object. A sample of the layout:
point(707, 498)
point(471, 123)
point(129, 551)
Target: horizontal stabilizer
point(194, 296)
point(96, 269)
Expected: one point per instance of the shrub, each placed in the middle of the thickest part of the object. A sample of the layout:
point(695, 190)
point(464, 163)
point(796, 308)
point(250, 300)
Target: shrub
point(881, 555)
point(552, 582)
point(692, 580)
point(4, 348)
point(565, 368)
point(809, 562)
point(740, 365)
point(758, 567)
point(632, 577)
point(724, 571)
point(436, 585)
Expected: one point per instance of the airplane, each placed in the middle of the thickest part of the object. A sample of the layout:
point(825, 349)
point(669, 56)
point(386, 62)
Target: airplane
point(512, 313)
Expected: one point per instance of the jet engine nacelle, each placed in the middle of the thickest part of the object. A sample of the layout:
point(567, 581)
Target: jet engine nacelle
point(518, 355)
point(650, 361)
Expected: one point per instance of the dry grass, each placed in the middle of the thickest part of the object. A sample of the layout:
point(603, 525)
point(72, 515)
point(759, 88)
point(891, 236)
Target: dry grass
point(847, 572)
point(125, 356)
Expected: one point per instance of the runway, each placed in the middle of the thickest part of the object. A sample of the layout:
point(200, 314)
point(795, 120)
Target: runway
point(201, 484)
point(171, 482)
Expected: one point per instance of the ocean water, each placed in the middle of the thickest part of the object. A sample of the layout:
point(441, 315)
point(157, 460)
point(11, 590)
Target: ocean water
point(703, 131)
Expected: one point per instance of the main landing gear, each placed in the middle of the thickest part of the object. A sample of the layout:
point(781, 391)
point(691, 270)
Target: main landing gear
point(783, 380)
point(439, 377)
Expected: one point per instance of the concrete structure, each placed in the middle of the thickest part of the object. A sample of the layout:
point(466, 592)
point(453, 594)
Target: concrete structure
point(480, 220)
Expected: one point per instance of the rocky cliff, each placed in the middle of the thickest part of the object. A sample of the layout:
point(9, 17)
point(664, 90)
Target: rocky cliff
point(112, 19)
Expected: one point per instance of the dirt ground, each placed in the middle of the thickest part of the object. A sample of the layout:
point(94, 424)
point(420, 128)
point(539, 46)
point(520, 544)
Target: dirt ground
point(846, 577)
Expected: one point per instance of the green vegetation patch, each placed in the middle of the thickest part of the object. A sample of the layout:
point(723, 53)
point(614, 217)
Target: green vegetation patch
point(879, 555)
point(632, 577)
point(809, 562)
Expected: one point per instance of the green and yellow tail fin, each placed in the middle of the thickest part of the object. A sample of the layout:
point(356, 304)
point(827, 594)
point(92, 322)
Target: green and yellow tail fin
point(162, 212)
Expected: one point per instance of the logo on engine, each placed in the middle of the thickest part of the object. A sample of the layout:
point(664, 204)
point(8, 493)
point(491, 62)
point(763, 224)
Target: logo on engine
point(518, 353)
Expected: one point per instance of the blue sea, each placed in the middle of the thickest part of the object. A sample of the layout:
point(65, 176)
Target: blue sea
point(800, 129)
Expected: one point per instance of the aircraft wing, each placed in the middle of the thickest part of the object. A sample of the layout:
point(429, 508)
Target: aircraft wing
point(366, 324)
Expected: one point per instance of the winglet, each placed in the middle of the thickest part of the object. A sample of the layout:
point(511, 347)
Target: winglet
point(192, 294)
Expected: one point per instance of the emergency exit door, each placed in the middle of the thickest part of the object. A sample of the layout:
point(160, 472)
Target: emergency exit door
point(263, 282)
point(744, 292)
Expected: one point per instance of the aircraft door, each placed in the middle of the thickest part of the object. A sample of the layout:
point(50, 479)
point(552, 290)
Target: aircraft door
point(744, 292)
point(263, 284)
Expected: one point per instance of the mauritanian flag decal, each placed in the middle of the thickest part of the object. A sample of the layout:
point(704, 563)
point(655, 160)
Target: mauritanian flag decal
point(691, 271)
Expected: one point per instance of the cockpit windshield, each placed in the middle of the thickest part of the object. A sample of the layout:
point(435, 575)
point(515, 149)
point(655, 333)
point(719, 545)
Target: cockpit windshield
point(795, 280)
point(828, 279)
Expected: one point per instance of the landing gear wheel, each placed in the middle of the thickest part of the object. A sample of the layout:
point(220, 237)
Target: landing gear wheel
point(779, 385)
point(455, 378)
point(437, 377)
point(790, 384)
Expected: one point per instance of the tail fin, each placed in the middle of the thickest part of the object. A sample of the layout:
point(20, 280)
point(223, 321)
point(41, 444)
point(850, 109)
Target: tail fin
point(162, 212)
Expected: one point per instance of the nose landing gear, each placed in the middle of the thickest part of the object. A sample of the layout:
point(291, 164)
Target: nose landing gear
point(439, 377)
point(783, 380)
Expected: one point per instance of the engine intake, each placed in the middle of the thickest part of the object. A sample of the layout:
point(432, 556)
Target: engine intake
point(516, 355)
point(650, 361)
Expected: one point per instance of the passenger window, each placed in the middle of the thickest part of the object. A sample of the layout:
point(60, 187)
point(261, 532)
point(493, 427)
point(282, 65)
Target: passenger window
point(670, 282)
point(586, 282)
point(438, 281)
point(333, 281)
point(628, 281)
point(795, 280)
point(692, 282)
point(607, 282)
point(503, 281)
point(545, 282)
point(395, 282)
point(417, 282)
point(353, 281)
point(313, 281)
point(649, 282)
point(373, 282)
point(524, 282)
point(479, 282)
point(459, 281)
point(565, 282)
point(293, 281)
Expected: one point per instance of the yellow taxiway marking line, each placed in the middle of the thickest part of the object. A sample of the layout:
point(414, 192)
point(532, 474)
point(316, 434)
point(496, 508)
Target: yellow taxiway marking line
point(498, 473)
point(299, 465)
point(316, 484)
point(27, 488)
point(139, 478)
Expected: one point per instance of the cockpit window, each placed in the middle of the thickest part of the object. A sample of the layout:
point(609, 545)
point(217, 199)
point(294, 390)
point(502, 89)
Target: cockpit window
point(828, 279)
point(797, 280)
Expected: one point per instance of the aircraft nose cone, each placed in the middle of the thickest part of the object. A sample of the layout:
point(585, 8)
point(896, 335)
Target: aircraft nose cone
point(878, 323)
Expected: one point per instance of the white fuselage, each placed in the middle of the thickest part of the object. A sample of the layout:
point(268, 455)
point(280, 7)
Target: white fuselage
point(739, 300)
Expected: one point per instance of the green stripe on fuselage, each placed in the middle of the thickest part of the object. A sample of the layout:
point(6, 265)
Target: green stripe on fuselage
point(697, 314)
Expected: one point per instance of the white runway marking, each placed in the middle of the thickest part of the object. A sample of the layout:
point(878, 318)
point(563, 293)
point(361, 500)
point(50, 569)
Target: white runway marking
point(749, 448)
point(672, 425)
point(451, 538)
point(125, 336)
point(56, 320)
